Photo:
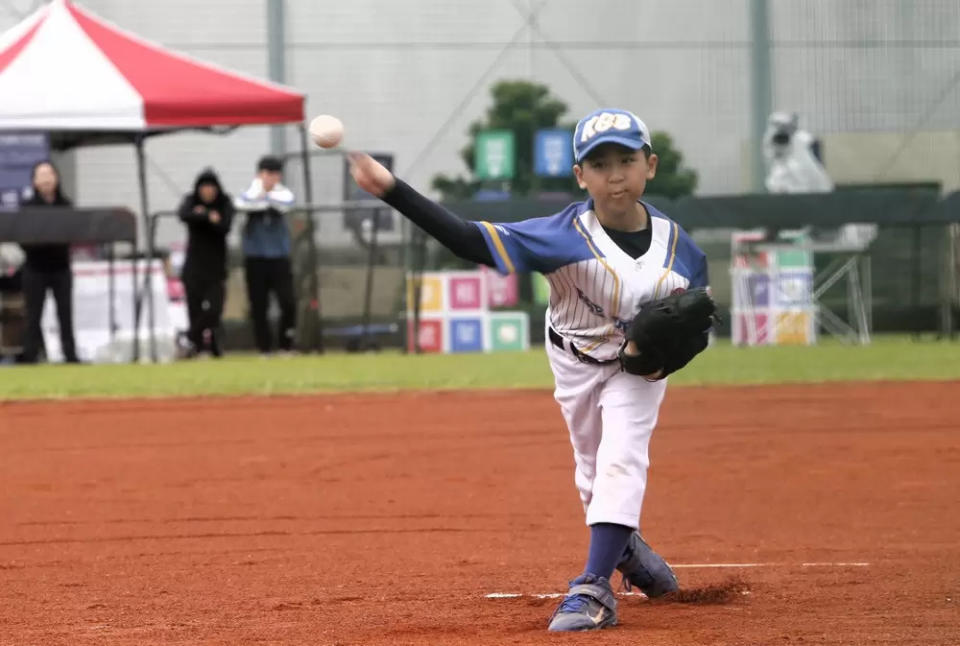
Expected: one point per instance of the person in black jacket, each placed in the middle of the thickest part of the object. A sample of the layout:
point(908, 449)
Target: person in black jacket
point(47, 267)
point(208, 214)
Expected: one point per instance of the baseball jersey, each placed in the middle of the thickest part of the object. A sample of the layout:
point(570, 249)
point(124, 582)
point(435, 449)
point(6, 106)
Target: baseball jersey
point(596, 288)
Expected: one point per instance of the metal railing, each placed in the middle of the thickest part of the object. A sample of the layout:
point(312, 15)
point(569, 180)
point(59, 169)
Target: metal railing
point(309, 298)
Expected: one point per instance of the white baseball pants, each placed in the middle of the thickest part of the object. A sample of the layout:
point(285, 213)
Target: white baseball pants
point(611, 415)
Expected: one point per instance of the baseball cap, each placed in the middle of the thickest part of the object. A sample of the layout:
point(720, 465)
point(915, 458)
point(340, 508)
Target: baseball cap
point(609, 125)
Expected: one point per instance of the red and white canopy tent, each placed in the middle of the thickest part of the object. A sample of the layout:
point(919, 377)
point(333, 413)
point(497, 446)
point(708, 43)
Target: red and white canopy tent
point(65, 70)
point(86, 81)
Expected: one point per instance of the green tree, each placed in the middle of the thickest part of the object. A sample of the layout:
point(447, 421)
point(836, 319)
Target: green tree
point(672, 180)
point(523, 108)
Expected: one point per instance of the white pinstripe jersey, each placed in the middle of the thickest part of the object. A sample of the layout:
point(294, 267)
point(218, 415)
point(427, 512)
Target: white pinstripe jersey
point(596, 287)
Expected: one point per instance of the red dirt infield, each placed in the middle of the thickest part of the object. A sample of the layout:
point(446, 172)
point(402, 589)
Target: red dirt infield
point(387, 519)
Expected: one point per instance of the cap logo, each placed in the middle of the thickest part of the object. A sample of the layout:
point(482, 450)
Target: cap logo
point(603, 122)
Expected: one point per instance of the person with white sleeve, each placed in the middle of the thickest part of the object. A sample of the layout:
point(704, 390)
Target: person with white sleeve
point(266, 251)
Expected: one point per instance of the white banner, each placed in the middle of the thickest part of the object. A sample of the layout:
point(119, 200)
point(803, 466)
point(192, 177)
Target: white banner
point(91, 314)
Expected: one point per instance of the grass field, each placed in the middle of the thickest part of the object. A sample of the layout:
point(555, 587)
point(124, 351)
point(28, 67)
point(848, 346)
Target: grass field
point(888, 358)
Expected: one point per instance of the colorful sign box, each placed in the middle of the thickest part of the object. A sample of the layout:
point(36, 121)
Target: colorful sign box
point(442, 292)
point(432, 293)
point(455, 316)
point(466, 292)
point(466, 334)
point(751, 329)
point(502, 291)
point(759, 286)
point(506, 331)
point(794, 328)
point(509, 331)
point(430, 335)
point(795, 288)
point(773, 299)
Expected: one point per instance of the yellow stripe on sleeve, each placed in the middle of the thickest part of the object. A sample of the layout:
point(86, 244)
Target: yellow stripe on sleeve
point(498, 243)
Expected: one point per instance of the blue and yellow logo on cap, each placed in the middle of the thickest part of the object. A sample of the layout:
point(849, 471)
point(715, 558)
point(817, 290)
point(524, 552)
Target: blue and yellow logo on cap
point(609, 125)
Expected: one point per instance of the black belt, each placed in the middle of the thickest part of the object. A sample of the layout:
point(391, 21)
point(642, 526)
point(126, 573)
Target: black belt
point(557, 340)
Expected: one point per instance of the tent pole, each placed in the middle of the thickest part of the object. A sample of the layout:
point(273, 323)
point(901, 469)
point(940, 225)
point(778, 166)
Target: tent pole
point(144, 208)
point(305, 156)
point(313, 264)
point(135, 314)
point(110, 292)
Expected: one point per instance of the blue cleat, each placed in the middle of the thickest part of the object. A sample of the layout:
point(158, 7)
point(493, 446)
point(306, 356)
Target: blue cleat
point(589, 605)
point(643, 568)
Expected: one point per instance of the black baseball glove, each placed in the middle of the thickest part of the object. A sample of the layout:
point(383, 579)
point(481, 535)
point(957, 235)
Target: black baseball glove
point(668, 333)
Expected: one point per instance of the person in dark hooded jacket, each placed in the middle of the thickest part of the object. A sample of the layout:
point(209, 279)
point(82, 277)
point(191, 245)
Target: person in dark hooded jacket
point(208, 214)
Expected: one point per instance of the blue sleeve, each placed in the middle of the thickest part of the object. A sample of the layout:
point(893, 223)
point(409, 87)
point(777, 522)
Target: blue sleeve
point(538, 244)
point(700, 277)
point(691, 261)
point(509, 246)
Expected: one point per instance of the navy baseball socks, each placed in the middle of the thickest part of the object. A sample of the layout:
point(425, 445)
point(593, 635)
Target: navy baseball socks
point(590, 603)
point(608, 545)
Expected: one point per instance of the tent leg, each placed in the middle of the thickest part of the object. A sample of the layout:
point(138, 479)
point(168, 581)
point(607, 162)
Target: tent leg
point(365, 342)
point(135, 303)
point(419, 262)
point(110, 291)
point(313, 264)
point(142, 176)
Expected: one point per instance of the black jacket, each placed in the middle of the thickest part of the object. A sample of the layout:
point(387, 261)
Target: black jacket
point(207, 242)
point(49, 258)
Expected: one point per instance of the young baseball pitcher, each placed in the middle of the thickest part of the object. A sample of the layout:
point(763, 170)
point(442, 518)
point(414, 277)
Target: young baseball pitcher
point(628, 306)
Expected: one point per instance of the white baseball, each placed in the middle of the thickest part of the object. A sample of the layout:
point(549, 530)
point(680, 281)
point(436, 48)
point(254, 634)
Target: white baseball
point(326, 130)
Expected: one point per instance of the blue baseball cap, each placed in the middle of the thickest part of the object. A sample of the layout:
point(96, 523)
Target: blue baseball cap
point(609, 125)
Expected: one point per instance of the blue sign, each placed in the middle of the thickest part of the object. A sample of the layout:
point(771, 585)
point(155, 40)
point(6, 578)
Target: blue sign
point(759, 290)
point(795, 288)
point(553, 153)
point(19, 152)
point(466, 335)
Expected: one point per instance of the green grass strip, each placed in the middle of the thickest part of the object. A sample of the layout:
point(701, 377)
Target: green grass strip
point(888, 358)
